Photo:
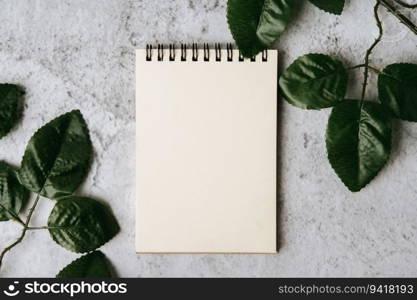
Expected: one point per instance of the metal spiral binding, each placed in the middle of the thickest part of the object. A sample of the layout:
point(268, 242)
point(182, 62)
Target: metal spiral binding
point(195, 52)
point(160, 52)
point(183, 52)
point(172, 53)
point(229, 48)
point(148, 52)
point(218, 50)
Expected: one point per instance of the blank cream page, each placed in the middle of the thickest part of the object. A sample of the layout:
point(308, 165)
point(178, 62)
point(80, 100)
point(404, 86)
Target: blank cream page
point(206, 155)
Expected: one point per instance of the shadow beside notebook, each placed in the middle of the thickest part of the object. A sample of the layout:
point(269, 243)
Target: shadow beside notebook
point(279, 159)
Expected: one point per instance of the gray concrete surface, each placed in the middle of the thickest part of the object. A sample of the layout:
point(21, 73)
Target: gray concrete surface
point(80, 54)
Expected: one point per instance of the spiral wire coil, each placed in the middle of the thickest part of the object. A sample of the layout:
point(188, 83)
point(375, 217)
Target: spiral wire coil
point(184, 53)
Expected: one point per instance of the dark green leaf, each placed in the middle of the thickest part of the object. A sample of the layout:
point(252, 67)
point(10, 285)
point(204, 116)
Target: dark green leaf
point(57, 157)
point(13, 196)
point(314, 81)
point(91, 265)
point(397, 85)
point(81, 224)
point(331, 6)
point(10, 110)
point(256, 24)
point(358, 141)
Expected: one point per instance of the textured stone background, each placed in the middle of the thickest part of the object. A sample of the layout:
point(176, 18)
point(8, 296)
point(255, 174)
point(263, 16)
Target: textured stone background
point(80, 54)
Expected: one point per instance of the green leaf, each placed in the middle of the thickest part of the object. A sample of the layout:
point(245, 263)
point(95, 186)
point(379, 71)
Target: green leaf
point(91, 265)
point(57, 157)
point(397, 85)
point(358, 141)
point(314, 81)
point(256, 24)
point(81, 224)
point(10, 110)
point(13, 196)
point(330, 6)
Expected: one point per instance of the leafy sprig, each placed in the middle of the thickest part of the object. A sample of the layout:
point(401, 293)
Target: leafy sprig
point(55, 163)
point(358, 136)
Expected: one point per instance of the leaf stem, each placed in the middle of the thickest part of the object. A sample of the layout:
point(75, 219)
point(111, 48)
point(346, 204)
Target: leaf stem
point(45, 227)
point(369, 51)
point(19, 220)
point(402, 18)
point(37, 228)
point(355, 67)
point(376, 70)
point(22, 235)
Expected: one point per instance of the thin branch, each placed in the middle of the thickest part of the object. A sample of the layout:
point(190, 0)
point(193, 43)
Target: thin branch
point(405, 4)
point(22, 235)
point(403, 19)
point(369, 51)
point(355, 67)
point(37, 227)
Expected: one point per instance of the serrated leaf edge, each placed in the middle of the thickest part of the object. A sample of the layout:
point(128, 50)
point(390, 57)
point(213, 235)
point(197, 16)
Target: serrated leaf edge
point(233, 34)
point(77, 111)
point(371, 178)
point(63, 227)
point(79, 258)
point(14, 170)
point(305, 108)
point(396, 79)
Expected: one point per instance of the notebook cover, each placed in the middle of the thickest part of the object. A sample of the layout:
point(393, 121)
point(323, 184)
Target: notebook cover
point(206, 155)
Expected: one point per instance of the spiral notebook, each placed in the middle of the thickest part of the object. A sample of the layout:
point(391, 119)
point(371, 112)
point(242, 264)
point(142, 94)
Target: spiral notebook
point(206, 128)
